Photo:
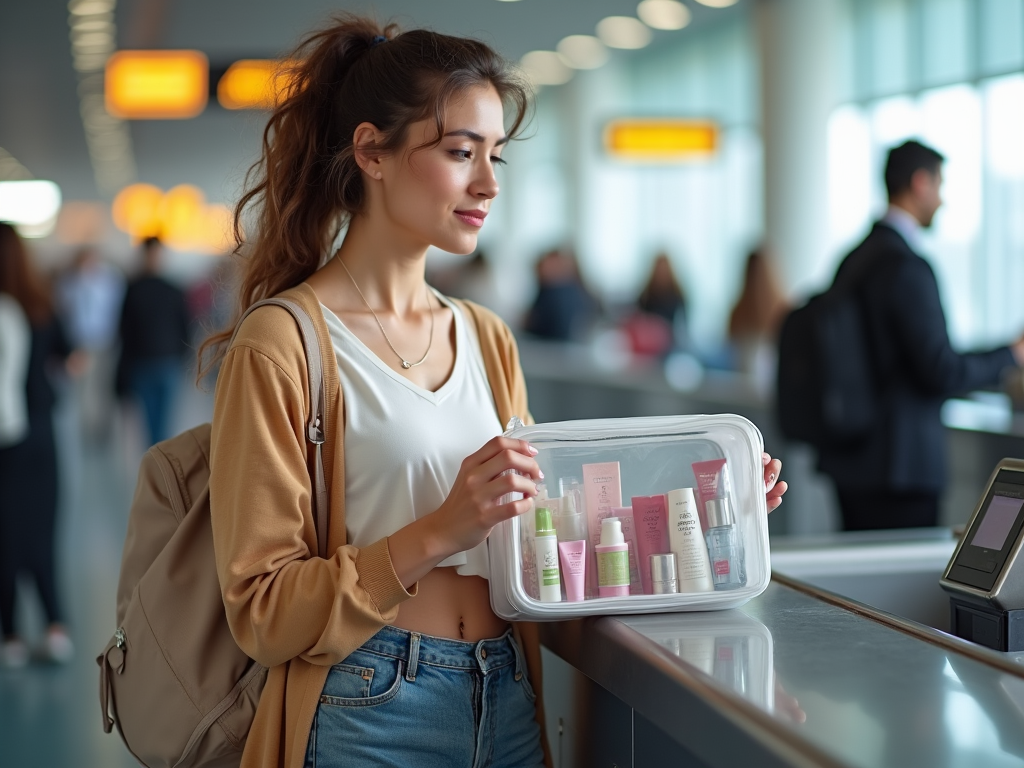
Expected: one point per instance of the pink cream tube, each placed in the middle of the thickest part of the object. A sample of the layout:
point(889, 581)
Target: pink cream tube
point(573, 555)
point(710, 485)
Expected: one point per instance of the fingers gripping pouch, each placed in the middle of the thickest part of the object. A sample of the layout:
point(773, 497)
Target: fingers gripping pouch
point(651, 515)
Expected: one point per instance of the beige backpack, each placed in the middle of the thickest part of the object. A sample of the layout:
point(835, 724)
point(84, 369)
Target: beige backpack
point(172, 679)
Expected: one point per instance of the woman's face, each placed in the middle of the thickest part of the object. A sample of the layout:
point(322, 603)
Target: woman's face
point(440, 195)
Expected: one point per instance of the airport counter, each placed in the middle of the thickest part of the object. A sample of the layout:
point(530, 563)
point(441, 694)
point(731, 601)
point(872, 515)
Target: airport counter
point(797, 677)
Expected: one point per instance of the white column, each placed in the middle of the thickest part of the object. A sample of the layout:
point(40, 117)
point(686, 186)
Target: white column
point(798, 50)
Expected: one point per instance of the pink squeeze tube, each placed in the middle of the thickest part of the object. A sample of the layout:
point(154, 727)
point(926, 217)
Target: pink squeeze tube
point(711, 484)
point(625, 515)
point(602, 490)
point(650, 514)
point(573, 555)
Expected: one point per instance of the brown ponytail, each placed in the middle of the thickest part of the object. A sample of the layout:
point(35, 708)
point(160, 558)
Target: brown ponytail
point(307, 185)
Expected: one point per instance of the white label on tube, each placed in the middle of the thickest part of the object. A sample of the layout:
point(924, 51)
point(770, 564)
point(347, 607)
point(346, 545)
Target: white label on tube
point(547, 569)
point(687, 542)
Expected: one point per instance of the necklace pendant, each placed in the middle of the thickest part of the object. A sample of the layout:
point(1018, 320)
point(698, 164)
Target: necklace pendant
point(406, 364)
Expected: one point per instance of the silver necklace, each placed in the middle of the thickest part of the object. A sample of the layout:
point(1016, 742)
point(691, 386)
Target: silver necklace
point(405, 363)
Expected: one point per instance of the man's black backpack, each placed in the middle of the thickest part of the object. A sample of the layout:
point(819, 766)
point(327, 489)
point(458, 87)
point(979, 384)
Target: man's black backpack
point(826, 384)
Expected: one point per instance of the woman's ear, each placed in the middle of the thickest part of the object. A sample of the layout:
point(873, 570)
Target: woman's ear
point(366, 141)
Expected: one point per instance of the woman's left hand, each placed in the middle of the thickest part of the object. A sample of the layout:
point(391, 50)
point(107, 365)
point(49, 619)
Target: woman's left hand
point(773, 487)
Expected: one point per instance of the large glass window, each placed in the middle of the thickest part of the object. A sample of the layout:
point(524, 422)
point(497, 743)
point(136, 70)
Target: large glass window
point(942, 71)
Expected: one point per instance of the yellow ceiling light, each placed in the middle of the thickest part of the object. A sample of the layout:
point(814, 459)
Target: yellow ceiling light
point(156, 84)
point(545, 68)
point(136, 210)
point(180, 217)
point(663, 14)
point(217, 231)
point(254, 84)
point(582, 52)
point(660, 139)
point(181, 211)
point(623, 32)
point(717, 3)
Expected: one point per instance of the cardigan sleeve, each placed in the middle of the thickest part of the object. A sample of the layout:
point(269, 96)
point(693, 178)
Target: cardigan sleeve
point(281, 600)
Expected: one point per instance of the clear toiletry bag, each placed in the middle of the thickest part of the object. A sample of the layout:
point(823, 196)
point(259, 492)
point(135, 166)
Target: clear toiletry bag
point(638, 515)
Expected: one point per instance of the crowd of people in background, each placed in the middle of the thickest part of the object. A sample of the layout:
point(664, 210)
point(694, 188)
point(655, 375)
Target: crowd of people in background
point(654, 324)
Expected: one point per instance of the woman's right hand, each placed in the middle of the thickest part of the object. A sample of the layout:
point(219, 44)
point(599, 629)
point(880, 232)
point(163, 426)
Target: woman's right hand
point(473, 506)
point(472, 509)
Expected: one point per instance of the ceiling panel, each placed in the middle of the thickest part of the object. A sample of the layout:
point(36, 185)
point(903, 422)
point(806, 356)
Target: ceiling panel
point(41, 127)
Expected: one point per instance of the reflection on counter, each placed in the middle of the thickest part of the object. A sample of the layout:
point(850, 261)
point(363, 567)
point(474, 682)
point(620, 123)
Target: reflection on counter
point(733, 648)
point(972, 698)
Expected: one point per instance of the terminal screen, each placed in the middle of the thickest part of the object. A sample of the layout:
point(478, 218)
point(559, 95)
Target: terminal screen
point(997, 522)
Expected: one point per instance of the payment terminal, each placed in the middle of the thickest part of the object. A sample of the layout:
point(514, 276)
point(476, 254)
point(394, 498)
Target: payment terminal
point(985, 576)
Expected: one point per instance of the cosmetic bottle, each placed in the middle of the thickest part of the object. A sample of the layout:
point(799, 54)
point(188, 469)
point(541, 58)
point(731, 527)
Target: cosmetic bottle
point(574, 568)
point(569, 487)
point(724, 545)
point(650, 513)
point(601, 490)
point(627, 523)
point(663, 574)
point(612, 560)
point(527, 543)
point(546, 548)
point(687, 542)
point(571, 530)
point(569, 518)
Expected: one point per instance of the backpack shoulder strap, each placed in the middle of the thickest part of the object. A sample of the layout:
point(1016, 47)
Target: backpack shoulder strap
point(315, 431)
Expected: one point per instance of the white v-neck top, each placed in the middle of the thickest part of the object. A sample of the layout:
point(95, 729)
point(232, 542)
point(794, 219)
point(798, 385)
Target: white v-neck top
point(404, 444)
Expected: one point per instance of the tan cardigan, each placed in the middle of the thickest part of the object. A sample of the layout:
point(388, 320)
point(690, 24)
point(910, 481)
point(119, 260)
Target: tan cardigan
point(292, 612)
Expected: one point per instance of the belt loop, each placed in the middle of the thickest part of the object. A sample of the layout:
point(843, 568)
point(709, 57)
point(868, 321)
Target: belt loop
point(519, 656)
point(414, 657)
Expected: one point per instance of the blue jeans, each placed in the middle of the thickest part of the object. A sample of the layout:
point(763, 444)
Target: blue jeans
point(155, 382)
point(405, 699)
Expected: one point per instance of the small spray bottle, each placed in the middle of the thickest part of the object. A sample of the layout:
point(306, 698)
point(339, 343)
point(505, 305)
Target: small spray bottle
point(546, 547)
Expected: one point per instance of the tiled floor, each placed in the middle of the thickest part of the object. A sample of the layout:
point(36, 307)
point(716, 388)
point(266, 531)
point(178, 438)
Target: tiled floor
point(50, 715)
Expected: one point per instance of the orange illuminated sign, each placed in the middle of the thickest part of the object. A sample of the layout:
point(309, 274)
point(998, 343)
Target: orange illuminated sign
point(180, 217)
point(660, 139)
point(254, 84)
point(157, 84)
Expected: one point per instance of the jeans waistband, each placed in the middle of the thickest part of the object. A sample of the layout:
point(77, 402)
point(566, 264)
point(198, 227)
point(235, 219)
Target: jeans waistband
point(416, 648)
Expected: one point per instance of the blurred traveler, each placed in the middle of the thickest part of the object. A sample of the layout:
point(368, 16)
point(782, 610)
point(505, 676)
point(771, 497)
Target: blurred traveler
point(563, 309)
point(28, 464)
point(892, 478)
point(154, 340)
point(89, 297)
point(663, 294)
point(756, 318)
point(659, 324)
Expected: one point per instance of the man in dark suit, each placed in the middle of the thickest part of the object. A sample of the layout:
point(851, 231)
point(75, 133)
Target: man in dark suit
point(894, 476)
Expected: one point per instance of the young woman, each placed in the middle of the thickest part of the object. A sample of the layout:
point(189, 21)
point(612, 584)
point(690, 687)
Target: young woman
point(387, 653)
